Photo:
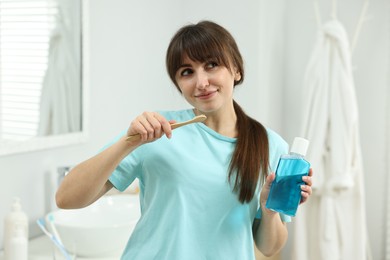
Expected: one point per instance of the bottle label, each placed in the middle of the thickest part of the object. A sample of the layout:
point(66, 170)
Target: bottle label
point(285, 193)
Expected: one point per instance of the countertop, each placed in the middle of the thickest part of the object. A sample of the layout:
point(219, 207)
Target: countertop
point(41, 248)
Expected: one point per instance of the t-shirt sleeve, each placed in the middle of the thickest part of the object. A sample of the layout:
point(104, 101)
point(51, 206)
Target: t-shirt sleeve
point(125, 173)
point(127, 170)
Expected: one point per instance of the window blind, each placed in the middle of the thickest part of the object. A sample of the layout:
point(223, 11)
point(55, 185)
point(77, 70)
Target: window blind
point(25, 27)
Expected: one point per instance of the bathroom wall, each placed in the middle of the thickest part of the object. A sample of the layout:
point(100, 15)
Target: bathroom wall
point(127, 74)
point(371, 69)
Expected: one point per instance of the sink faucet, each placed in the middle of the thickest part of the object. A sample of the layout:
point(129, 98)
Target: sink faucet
point(61, 173)
point(52, 182)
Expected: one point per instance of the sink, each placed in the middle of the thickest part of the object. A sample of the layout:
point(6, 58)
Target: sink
point(101, 229)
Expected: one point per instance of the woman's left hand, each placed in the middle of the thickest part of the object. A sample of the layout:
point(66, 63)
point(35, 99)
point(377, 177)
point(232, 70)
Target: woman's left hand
point(306, 190)
point(265, 193)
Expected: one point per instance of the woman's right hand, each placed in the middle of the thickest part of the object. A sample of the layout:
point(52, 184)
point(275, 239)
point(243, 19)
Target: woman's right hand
point(150, 126)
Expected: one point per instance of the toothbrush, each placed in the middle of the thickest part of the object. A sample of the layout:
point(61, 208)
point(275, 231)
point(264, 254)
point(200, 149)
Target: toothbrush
point(50, 217)
point(196, 119)
point(41, 224)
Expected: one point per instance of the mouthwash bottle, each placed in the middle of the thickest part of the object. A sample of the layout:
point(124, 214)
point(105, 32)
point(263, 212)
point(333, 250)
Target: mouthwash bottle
point(285, 193)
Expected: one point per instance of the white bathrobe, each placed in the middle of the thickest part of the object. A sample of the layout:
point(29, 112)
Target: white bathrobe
point(332, 224)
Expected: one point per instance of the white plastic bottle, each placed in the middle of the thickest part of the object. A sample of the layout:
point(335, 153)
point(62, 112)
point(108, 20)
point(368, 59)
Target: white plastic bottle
point(18, 247)
point(15, 230)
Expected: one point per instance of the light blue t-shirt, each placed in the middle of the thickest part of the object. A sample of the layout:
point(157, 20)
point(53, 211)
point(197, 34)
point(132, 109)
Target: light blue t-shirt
point(188, 208)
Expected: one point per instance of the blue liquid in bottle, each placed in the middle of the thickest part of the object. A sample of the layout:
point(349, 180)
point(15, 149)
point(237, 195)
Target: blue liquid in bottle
point(285, 193)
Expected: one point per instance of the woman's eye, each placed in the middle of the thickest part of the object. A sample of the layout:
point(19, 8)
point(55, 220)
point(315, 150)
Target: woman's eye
point(211, 64)
point(185, 72)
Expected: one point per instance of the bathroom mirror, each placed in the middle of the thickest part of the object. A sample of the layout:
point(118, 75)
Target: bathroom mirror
point(43, 74)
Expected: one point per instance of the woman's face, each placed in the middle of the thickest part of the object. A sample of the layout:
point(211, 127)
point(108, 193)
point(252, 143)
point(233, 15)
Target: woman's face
point(207, 86)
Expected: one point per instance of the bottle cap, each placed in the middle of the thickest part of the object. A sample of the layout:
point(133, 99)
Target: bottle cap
point(16, 204)
point(299, 146)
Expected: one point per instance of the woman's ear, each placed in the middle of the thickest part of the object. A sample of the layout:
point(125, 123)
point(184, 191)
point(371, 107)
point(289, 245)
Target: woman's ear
point(237, 76)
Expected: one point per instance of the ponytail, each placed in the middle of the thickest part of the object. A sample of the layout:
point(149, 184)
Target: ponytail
point(250, 157)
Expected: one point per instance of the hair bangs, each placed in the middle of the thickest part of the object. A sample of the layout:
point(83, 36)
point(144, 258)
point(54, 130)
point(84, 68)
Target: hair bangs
point(203, 48)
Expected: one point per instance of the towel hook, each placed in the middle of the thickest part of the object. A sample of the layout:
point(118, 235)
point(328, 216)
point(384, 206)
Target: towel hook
point(317, 13)
point(362, 18)
point(334, 10)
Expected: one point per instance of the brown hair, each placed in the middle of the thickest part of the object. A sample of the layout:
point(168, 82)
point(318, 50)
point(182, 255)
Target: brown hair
point(207, 40)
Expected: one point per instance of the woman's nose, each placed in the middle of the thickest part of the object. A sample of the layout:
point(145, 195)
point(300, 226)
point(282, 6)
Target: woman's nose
point(202, 80)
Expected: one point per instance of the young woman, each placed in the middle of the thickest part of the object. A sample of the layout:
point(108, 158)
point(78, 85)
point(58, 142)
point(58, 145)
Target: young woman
point(203, 187)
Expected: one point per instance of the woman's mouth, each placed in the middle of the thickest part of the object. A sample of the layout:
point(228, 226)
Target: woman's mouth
point(206, 95)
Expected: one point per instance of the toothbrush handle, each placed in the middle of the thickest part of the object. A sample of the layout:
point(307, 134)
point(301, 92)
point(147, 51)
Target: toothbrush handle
point(61, 248)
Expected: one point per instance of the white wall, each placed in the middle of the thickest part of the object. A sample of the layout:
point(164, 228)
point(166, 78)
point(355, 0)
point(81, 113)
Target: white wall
point(371, 70)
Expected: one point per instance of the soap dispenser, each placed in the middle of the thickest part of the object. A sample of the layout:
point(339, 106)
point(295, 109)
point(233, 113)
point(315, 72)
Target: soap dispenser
point(18, 245)
point(285, 193)
point(15, 232)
